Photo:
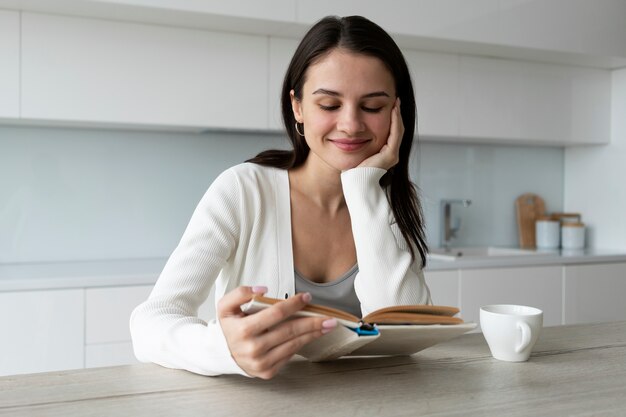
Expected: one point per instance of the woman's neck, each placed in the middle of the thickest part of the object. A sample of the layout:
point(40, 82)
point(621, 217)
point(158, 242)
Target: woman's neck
point(319, 183)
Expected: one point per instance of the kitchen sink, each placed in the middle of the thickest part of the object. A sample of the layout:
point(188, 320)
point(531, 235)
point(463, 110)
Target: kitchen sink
point(452, 254)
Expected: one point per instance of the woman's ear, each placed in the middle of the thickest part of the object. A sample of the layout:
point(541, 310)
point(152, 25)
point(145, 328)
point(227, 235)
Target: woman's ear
point(296, 107)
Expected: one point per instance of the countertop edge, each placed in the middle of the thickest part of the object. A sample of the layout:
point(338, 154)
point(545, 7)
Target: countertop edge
point(525, 261)
point(134, 272)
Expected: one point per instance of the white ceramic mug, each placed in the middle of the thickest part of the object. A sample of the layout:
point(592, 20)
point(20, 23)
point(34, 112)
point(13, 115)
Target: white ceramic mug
point(511, 330)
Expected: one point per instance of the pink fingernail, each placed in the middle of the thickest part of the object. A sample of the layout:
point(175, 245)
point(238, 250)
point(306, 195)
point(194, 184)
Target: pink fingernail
point(306, 297)
point(259, 289)
point(329, 324)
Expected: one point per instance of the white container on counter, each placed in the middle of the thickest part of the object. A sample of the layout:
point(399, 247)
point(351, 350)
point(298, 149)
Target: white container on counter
point(547, 233)
point(573, 235)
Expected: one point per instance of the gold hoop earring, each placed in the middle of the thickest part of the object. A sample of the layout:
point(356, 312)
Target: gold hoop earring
point(298, 130)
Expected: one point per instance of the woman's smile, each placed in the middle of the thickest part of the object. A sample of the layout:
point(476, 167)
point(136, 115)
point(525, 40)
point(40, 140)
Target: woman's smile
point(350, 145)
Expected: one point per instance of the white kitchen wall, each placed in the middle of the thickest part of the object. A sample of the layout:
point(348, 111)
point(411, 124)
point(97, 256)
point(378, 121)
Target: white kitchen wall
point(594, 182)
point(492, 177)
point(82, 194)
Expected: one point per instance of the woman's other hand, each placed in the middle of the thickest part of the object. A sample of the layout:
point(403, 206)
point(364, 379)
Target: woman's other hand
point(262, 343)
point(389, 154)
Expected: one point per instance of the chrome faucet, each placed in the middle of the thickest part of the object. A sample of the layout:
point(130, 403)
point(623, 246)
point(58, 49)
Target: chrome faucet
point(447, 231)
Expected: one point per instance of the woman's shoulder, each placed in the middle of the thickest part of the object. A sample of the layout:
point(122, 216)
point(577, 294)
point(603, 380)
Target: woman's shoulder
point(251, 172)
point(248, 175)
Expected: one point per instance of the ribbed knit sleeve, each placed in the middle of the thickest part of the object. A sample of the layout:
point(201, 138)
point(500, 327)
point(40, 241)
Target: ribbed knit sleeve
point(387, 275)
point(165, 329)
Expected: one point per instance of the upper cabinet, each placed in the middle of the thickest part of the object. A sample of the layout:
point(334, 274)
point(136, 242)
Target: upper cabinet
point(9, 64)
point(87, 70)
point(534, 102)
point(436, 85)
point(281, 50)
point(472, 98)
point(106, 73)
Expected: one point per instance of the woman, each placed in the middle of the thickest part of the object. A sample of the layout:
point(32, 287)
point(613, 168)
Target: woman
point(336, 217)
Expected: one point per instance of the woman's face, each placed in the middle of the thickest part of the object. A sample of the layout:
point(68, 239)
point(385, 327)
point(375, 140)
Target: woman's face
point(345, 108)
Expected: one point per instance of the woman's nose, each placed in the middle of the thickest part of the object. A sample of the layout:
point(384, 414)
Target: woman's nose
point(350, 121)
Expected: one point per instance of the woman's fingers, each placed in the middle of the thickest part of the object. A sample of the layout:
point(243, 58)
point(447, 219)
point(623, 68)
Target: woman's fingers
point(230, 304)
point(389, 154)
point(295, 328)
point(396, 131)
point(271, 316)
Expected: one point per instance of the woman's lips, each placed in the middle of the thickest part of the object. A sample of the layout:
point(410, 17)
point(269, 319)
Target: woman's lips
point(349, 144)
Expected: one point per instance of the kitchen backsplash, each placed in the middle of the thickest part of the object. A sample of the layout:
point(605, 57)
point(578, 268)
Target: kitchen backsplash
point(83, 194)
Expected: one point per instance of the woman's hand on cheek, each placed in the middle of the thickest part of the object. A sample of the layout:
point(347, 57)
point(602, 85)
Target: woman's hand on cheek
point(389, 154)
point(263, 342)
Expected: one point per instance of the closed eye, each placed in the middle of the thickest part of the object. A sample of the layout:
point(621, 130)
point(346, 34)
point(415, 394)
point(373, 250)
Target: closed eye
point(365, 109)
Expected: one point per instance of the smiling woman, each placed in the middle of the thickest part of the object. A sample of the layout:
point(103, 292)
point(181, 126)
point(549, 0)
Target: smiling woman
point(336, 219)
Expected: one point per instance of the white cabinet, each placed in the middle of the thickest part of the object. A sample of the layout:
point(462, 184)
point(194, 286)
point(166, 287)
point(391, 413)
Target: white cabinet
point(97, 71)
point(41, 331)
point(533, 102)
point(436, 84)
point(533, 286)
point(491, 97)
point(281, 51)
point(9, 64)
point(471, 98)
point(107, 314)
point(595, 293)
point(444, 287)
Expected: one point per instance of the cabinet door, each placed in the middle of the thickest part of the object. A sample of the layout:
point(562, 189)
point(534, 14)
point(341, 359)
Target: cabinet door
point(9, 64)
point(107, 312)
point(444, 287)
point(590, 116)
point(436, 84)
point(490, 94)
point(41, 331)
point(97, 71)
point(533, 286)
point(281, 50)
point(533, 102)
point(109, 354)
point(595, 293)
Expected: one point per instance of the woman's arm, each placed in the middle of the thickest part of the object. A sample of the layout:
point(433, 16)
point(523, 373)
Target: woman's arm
point(387, 274)
point(165, 329)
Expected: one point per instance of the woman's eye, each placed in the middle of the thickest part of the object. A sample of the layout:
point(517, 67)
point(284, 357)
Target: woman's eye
point(372, 109)
point(328, 108)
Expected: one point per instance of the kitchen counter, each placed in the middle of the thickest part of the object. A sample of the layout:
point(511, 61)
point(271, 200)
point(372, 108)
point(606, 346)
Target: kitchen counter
point(549, 257)
point(574, 370)
point(109, 273)
point(80, 274)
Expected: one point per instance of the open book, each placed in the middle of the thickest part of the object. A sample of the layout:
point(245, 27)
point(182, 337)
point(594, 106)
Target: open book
point(398, 330)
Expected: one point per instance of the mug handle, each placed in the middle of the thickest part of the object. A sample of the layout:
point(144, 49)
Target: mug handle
point(525, 336)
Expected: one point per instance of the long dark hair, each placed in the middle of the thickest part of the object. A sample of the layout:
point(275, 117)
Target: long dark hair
point(359, 35)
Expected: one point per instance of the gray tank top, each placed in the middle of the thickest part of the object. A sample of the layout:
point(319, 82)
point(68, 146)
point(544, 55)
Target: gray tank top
point(338, 294)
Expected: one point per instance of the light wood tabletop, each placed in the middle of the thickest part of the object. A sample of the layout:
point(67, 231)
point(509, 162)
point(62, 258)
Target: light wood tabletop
point(573, 371)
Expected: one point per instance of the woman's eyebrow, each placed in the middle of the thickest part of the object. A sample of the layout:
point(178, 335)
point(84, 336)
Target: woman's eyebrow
point(337, 94)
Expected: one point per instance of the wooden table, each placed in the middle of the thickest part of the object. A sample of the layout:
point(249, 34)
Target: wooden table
point(574, 371)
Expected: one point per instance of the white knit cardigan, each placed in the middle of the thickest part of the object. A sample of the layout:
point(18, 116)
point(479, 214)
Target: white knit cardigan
point(240, 234)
